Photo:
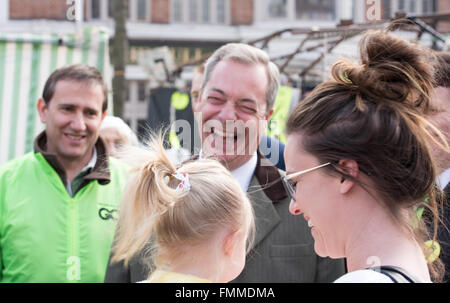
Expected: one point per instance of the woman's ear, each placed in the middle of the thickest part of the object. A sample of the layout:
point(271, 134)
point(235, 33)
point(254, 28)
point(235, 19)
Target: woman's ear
point(230, 242)
point(349, 167)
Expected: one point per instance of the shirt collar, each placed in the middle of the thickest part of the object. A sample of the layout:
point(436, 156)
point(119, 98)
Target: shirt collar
point(91, 163)
point(100, 168)
point(444, 179)
point(268, 176)
point(244, 173)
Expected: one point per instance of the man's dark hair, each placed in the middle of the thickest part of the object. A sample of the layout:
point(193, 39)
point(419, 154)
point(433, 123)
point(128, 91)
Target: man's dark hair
point(75, 72)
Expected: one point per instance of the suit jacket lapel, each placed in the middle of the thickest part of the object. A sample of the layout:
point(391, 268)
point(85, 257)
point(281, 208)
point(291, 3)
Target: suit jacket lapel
point(266, 216)
point(265, 189)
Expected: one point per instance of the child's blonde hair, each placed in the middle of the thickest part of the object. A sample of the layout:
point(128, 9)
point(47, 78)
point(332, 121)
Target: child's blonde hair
point(152, 207)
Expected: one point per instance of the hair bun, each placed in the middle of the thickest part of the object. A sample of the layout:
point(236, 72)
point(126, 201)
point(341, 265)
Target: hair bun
point(391, 70)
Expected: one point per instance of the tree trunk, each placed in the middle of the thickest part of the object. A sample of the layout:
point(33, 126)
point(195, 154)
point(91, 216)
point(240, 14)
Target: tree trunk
point(119, 54)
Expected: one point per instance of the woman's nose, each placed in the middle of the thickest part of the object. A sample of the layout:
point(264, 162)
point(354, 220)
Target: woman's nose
point(294, 209)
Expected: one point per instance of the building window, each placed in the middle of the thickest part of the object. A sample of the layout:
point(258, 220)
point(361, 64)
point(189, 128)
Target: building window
point(111, 9)
point(315, 9)
point(177, 11)
point(142, 86)
point(139, 10)
point(277, 8)
point(206, 11)
point(200, 11)
point(412, 6)
point(386, 9)
point(427, 6)
point(220, 11)
point(103, 9)
point(95, 9)
point(294, 10)
point(193, 11)
point(142, 10)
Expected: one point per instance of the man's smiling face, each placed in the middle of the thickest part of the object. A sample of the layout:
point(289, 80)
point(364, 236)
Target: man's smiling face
point(72, 117)
point(233, 111)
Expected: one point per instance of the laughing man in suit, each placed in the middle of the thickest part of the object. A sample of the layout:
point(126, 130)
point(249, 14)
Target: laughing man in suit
point(234, 105)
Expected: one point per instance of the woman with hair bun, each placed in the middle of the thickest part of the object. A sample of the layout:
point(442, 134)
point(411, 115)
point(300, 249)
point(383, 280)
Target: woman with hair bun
point(198, 217)
point(359, 164)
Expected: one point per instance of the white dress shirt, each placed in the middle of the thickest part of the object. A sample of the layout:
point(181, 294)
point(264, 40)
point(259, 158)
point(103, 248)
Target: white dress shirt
point(244, 173)
point(444, 179)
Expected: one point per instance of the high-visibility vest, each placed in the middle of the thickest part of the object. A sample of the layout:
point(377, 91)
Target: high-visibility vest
point(49, 236)
point(178, 101)
point(277, 122)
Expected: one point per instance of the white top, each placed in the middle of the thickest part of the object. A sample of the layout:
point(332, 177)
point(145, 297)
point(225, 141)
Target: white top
point(244, 173)
point(444, 178)
point(364, 276)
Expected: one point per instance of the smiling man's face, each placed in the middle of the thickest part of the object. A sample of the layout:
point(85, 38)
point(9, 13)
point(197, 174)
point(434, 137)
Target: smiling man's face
point(72, 117)
point(233, 110)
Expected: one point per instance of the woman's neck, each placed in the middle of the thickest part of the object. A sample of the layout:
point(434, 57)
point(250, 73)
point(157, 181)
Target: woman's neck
point(382, 241)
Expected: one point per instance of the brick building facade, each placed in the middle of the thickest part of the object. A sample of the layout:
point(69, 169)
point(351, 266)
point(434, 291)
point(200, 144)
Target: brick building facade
point(160, 11)
point(443, 6)
point(37, 9)
point(242, 12)
point(194, 28)
point(239, 12)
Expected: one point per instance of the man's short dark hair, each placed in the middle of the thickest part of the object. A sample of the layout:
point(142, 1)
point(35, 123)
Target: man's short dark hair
point(442, 69)
point(75, 72)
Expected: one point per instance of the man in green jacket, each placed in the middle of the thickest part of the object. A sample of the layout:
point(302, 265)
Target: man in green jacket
point(58, 204)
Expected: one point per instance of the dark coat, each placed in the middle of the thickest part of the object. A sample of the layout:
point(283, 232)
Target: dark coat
point(444, 235)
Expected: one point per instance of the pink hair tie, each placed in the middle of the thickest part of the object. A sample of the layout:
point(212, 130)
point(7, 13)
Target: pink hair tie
point(184, 185)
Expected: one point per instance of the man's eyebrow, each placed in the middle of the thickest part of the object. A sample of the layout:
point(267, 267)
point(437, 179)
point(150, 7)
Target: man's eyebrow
point(217, 90)
point(247, 100)
point(91, 109)
point(73, 105)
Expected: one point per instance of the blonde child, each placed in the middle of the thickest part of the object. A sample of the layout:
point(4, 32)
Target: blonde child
point(198, 217)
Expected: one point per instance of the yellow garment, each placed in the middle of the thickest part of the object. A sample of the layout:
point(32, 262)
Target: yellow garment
point(277, 122)
point(162, 276)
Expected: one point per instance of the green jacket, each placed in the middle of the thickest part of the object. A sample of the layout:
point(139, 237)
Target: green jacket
point(48, 236)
